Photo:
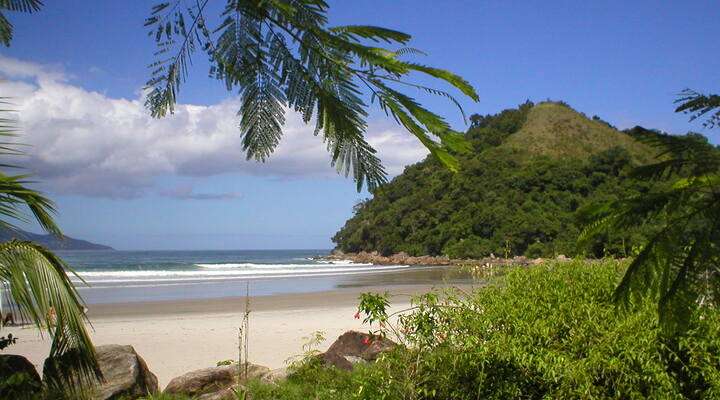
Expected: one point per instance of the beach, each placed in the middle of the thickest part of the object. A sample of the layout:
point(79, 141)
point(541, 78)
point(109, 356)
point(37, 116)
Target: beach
point(178, 336)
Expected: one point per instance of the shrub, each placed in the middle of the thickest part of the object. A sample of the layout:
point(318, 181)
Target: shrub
point(549, 331)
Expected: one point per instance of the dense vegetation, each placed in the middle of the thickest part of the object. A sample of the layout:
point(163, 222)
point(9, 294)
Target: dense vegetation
point(526, 189)
point(546, 332)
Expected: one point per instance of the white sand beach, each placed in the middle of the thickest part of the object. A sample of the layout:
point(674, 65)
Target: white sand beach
point(176, 337)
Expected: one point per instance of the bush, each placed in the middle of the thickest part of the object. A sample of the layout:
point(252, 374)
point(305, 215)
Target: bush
point(549, 331)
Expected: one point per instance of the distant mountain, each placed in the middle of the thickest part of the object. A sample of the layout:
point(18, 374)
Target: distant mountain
point(526, 189)
point(50, 241)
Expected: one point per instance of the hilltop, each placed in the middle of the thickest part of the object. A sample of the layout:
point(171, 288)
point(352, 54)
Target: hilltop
point(523, 190)
point(557, 131)
point(50, 241)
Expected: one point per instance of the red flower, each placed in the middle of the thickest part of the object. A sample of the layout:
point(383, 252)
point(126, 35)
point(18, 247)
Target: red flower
point(357, 315)
point(366, 341)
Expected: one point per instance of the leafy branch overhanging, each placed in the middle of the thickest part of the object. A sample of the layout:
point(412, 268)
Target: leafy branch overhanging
point(281, 55)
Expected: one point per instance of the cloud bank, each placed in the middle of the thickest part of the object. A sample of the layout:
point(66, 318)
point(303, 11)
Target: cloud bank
point(86, 143)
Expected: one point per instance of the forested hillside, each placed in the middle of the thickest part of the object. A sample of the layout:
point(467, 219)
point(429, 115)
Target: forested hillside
point(532, 175)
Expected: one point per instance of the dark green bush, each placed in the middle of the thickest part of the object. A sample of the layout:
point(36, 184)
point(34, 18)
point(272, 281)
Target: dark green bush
point(546, 332)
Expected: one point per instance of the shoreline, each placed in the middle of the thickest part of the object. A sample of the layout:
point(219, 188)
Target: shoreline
point(401, 258)
point(342, 297)
point(178, 336)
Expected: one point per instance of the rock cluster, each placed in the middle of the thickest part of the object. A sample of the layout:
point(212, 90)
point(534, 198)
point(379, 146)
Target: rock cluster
point(126, 375)
point(395, 259)
point(405, 259)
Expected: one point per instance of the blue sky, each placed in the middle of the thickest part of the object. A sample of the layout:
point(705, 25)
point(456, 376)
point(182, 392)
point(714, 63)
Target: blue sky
point(123, 180)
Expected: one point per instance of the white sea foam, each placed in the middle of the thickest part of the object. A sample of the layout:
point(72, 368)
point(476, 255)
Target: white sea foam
point(233, 271)
point(339, 262)
point(249, 266)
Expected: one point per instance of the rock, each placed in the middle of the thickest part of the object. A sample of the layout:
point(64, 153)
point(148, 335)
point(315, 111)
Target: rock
point(125, 374)
point(355, 360)
point(229, 393)
point(336, 360)
point(18, 377)
point(275, 375)
point(214, 382)
point(353, 347)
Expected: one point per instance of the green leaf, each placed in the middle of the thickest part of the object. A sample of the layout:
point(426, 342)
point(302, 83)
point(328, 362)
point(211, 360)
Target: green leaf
point(453, 79)
point(375, 33)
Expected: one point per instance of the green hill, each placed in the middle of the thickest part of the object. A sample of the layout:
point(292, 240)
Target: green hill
point(556, 130)
point(51, 242)
point(523, 190)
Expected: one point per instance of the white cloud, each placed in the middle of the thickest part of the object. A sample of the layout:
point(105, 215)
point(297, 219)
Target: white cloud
point(87, 143)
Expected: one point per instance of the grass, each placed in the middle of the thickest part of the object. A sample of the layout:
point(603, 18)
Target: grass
point(558, 131)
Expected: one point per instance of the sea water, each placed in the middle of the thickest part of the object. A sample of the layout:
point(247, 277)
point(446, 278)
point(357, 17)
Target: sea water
point(129, 276)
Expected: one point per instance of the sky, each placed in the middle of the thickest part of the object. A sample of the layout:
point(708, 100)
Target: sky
point(76, 72)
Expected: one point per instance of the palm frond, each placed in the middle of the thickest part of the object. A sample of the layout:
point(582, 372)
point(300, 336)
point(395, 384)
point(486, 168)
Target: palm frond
point(25, 6)
point(678, 264)
point(281, 54)
point(41, 287)
point(699, 105)
point(38, 279)
point(690, 155)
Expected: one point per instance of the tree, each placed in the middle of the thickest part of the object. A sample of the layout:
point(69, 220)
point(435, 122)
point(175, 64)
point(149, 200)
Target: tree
point(281, 54)
point(6, 28)
point(37, 279)
point(679, 265)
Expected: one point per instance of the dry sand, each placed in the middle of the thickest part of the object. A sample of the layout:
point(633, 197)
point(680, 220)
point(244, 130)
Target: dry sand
point(180, 336)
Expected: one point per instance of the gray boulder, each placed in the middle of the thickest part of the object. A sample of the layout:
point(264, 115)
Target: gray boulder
point(18, 378)
point(214, 383)
point(275, 375)
point(353, 347)
point(125, 374)
point(229, 393)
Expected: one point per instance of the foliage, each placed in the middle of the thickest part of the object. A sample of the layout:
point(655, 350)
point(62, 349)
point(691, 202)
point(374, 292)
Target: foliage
point(20, 386)
point(6, 28)
point(506, 199)
point(166, 396)
point(678, 265)
point(699, 105)
point(309, 380)
point(549, 331)
point(281, 54)
point(310, 349)
point(38, 280)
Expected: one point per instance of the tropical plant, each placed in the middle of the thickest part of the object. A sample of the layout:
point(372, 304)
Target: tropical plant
point(38, 280)
point(281, 55)
point(679, 265)
point(699, 105)
point(547, 332)
point(6, 28)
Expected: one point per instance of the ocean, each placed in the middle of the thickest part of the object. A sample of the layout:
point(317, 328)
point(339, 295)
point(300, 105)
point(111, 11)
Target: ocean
point(132, 276)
